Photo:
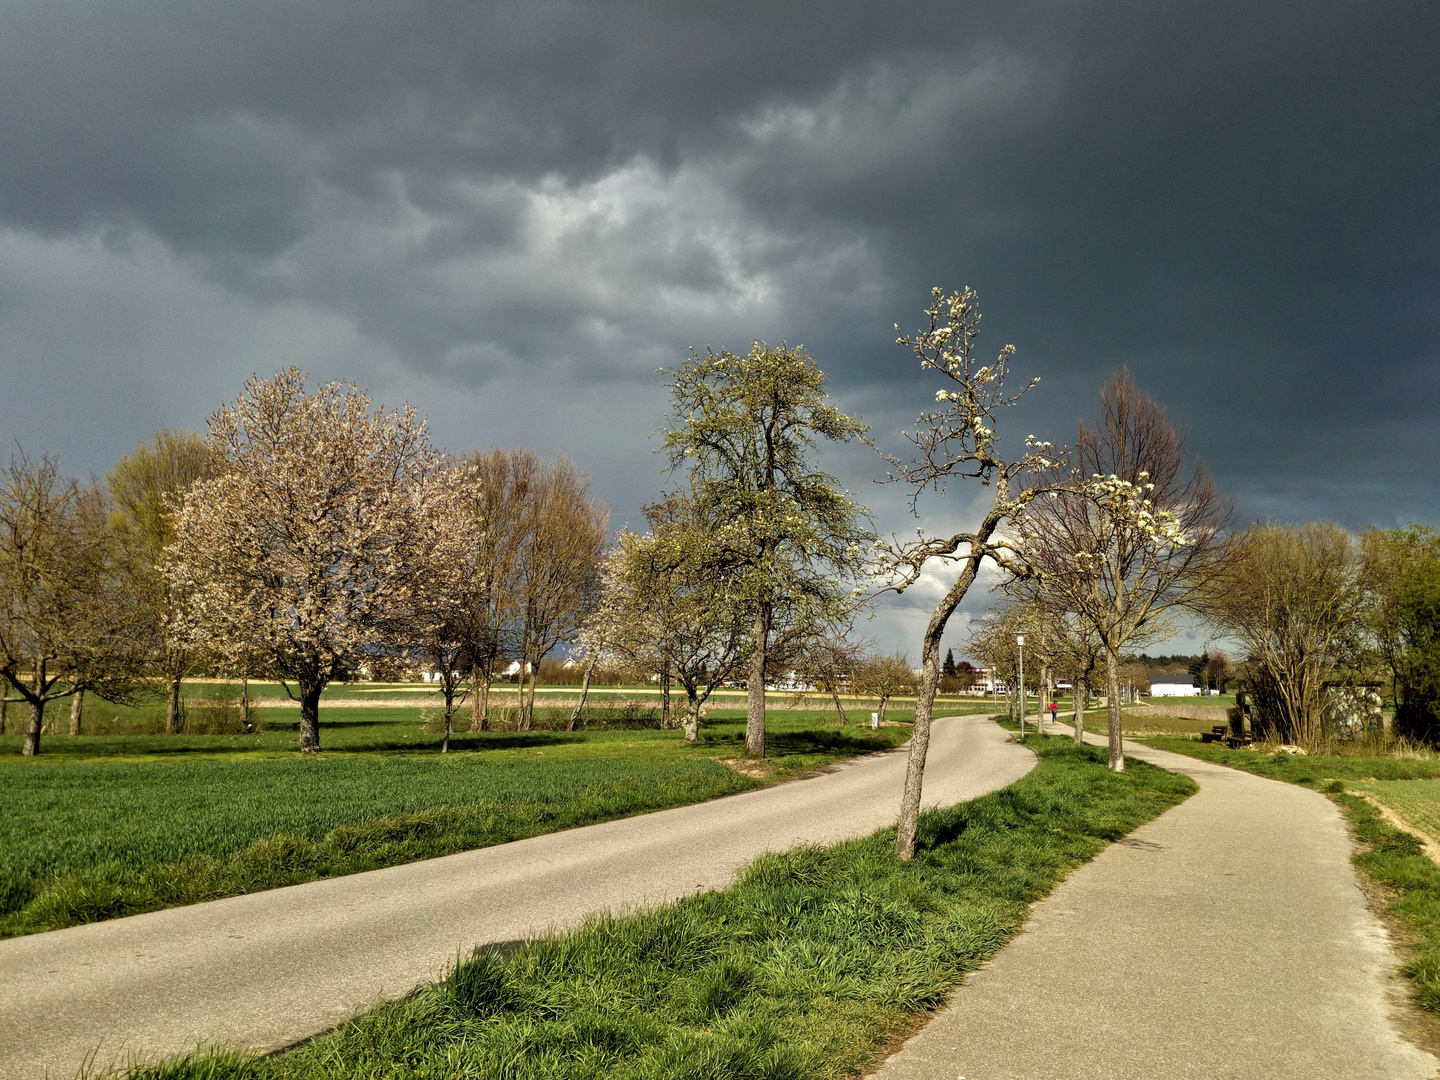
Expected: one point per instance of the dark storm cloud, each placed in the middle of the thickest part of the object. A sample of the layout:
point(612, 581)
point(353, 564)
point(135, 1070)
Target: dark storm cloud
point(503, 212)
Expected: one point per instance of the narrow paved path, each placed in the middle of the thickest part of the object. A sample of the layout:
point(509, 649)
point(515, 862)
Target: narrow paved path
point(1226, 938)
point(271, 968)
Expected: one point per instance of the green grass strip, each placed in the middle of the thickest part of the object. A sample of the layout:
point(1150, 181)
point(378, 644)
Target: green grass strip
point(115, 888)
point(1397, 859)
point(1391, 857)
point(802, 969)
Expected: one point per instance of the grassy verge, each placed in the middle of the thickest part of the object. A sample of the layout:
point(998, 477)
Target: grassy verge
point(1393, 859)
point(804, 968)
point(89, 838)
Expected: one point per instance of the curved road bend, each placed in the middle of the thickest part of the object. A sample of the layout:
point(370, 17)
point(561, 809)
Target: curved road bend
point(269, 969)
point(1226, 938)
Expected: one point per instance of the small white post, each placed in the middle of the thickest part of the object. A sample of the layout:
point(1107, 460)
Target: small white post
point(1020, 641)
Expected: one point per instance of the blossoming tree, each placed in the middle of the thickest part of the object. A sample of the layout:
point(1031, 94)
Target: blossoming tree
point(957, 441)
point(1128, 532)
point(306, 545)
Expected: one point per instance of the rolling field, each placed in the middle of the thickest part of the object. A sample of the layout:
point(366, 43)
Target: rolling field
point(101, 826)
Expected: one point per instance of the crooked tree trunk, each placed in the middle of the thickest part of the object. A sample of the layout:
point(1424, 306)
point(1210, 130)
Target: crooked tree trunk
point(1078, 690)
point(909, 821)
point(755, 690)
point(4, 713)
point(172, 708)
point(584, 693)
point(77, 711)
point(883, 702)
point(245, 700)
point(310, 717)
point(1112, 709)
point(839, 708)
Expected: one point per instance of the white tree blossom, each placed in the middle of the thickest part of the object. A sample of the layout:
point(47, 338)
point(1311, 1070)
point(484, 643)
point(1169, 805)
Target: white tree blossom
point(305, 546)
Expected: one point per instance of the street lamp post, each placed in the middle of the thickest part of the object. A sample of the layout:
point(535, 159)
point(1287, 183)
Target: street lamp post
point(1020, 640)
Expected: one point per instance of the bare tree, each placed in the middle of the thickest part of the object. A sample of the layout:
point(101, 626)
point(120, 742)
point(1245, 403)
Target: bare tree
point(1218, 669)
point(147, 487)
point(885, 677)
point(66, 625)
point(1292, 597)
point(496, 491)
point(958, 442)
point(1128, 531)
point(306, 543)
point(557, 568)
point(831, 659)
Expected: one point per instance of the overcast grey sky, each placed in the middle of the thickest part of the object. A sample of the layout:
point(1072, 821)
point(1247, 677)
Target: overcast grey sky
point(511, 215)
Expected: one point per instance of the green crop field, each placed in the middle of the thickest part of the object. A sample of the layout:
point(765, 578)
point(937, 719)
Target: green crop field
point(1416, 802)
point(98, 826)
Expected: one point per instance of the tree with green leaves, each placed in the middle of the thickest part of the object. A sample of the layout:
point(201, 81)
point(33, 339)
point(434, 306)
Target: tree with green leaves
point(663, 609)
point(948, 668)
point(146, 488)
point(788, 539)
point(1402, 584)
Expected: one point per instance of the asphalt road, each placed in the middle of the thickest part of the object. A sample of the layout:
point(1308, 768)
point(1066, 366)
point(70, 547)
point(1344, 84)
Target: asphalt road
point(272, 968)
point(1226, 938)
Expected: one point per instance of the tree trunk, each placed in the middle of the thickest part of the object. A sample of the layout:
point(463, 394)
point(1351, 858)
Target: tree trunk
point(1078, 689)
point(839, 708)
point(32, 733)
point(909, 821)
point(755, 689)
point(310, 717)
point(665, 721)
point(480, 709)
point(883, 702)
point(584, 693)
point(245, 700)
point(522, 722)
point(1112, 702)
point(528, 707)
point(77, 711)
point(172, 708)
point(692, 715)
point(4, 712)
point(448, 689)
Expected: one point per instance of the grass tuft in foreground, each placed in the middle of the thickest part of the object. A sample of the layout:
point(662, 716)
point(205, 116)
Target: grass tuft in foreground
point(802, 969)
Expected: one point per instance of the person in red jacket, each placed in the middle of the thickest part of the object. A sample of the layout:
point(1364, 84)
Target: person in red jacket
point(1054, 709)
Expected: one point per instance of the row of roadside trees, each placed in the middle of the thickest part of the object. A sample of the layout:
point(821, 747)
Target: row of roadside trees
point(310, 534)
